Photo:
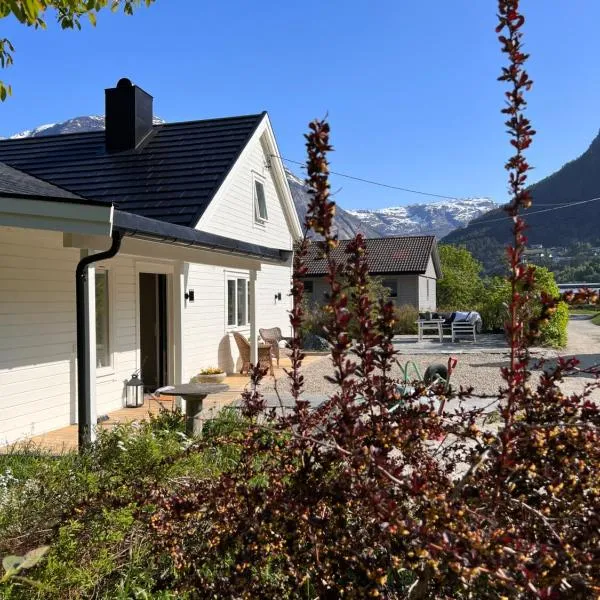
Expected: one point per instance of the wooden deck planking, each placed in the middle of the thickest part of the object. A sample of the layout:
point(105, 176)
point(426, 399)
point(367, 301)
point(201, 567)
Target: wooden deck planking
point(65, 439)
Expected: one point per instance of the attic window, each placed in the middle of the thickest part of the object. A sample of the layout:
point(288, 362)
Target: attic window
point(260, 202)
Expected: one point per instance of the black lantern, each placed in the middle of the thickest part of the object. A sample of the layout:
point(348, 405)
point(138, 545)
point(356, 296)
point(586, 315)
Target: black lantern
point(134, 392)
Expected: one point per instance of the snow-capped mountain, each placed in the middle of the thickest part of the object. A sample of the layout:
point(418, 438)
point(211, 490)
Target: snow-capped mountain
point(75, 125)
point(347, 226)
point(437, 218)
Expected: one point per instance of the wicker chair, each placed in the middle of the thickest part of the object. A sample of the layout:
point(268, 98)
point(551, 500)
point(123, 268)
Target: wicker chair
point(272, 337)
point(264, 354)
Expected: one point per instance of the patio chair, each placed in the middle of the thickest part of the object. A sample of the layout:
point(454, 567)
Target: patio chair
point(264, 354)
point(273, 337)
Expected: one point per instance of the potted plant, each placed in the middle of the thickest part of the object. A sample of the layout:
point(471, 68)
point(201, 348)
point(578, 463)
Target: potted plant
point(209, 375)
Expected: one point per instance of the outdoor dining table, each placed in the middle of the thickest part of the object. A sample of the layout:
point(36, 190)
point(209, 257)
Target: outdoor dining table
point(430, 324)
point(194, 394)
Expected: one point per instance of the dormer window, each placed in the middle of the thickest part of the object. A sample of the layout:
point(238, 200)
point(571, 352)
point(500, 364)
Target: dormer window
point(260, 202)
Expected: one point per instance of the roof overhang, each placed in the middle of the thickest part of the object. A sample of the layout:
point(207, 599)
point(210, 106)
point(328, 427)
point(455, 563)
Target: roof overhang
point(281, 181)
point(373, 273)
point(153, 230)
point(69, 216)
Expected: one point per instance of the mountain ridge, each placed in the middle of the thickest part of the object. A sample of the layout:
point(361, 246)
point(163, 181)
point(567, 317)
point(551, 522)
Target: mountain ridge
point(577, 181)
point(437, 218)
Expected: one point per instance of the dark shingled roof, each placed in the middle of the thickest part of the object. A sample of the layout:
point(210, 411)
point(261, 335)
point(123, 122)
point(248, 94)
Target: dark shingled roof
point(153, 229)
point(172, 177)
point(16, 184)
point(389, 255)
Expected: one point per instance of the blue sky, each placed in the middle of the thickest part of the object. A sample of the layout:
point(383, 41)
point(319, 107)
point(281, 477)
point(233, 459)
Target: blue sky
point(410, 87)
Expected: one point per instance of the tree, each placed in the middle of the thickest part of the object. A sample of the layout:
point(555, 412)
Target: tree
point(69, 13)
point(461, 285)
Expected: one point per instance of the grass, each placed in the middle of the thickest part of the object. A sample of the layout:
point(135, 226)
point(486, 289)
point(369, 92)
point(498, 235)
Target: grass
point(591, 311)
point(582, 311)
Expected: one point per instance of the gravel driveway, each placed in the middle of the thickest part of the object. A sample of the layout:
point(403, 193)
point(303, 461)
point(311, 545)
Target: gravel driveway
point(480, 370)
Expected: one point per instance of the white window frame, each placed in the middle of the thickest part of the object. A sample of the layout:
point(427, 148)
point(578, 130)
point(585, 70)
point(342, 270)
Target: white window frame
point(109, 369)
point(235, 276)
point(256, 178)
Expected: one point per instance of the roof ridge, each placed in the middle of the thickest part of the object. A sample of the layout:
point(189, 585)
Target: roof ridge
point(154, 126)
point(189, 122)
point(207, 149)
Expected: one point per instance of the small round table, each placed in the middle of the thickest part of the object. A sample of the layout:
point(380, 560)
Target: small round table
point(194, 394)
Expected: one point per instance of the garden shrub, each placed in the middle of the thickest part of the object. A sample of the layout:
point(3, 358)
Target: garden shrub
point(88, 506)
point(496, 298)
point(493, 304)
point(352, 500)
point(554, 333)
point(460, 286)
point(405, 318)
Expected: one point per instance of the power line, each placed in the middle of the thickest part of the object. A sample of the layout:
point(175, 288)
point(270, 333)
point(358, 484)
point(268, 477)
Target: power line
point(537, 212)
point(378, 183)
point(410, 191)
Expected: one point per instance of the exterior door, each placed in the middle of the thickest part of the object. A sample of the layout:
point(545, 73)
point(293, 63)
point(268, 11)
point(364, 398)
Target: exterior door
point(153, 330)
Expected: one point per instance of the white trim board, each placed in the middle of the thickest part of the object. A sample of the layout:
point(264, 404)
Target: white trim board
point(56, 216)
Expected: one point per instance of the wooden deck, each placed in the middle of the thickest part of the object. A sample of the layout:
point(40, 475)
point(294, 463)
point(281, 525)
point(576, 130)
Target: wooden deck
point(65, 439)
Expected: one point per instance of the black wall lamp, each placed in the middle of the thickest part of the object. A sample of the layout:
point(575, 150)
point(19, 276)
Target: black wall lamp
point(189, 295)
point(278, 296)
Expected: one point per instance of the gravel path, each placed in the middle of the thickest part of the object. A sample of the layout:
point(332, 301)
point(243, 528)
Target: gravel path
point(480, 370)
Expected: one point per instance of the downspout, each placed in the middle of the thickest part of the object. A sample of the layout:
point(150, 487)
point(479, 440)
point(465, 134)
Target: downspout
point(83, 338)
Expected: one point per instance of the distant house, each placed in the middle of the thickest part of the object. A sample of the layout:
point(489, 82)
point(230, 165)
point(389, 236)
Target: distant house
point(409, 266)
point(199, 224)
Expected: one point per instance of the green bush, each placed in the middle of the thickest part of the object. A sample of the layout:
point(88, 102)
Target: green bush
point(87, 507)
point(461, 286)
point(496, 298)
point(316, 317)
point(493, 304)
point(405, 317)
point(555, 332)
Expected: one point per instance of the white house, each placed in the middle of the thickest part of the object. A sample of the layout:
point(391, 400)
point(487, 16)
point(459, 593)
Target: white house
point(409, 266)
point(199, 224)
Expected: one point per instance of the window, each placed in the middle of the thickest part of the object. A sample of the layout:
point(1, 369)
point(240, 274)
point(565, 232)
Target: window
point(242, 302)
point(102, 320)
point(260, 202)
point(309, 287)
point(231, 320)
point(237, 302)
point(392, 285)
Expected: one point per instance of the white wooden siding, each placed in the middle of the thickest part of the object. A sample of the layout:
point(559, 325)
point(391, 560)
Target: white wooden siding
point(38, 333)
point(428, 301)
point(231, 214)
point(430, 271)
point(272, 279)
point(207, 340)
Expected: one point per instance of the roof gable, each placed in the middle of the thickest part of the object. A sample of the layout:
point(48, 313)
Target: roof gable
point(172, 177)
point(232, 210)
point(409, 254)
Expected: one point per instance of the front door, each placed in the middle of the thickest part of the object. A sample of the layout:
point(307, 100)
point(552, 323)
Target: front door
point(153, 330)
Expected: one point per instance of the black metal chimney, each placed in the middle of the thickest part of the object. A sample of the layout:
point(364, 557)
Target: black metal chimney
point(128, 116)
